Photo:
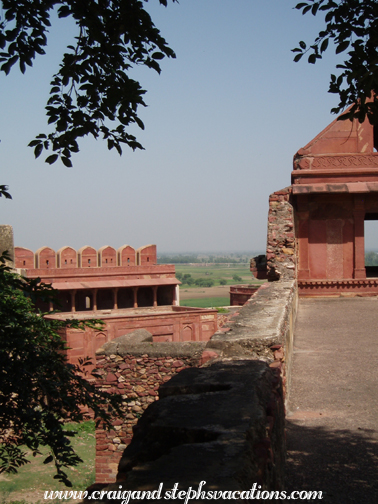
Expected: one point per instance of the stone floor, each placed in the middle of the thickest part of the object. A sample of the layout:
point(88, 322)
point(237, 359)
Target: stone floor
point(332, 424)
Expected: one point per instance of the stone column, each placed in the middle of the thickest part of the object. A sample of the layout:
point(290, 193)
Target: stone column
point(176, 295)
point(94, 293)
point(73, 294)
point(303, 220)
point(135, 292)
point(115, 298)
point(359, 238)
point(154, 289)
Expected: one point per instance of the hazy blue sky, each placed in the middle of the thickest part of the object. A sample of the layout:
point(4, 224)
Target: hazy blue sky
point(223, 123)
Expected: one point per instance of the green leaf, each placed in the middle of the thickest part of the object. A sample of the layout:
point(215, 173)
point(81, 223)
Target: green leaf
point(324, 45)
point(341, 47)
point(306, 9)
point(66, 161)
point(312, 58)
point(33, 143)
point(51, 159)
point(302, 44)
point(4, 192)
point(157, 55)
point(49, 459)
point(38, 150)
point(298, 57)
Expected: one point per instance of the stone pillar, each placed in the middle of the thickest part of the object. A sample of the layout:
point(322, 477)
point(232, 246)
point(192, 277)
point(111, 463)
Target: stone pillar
point(51, 306)
point(73, 294)
point(154, 289)
point(135, 292)
point(7, 243)
point(94, 292)
point(115, 298)
point(176, 295)
point(303, 219)
point(359, 237)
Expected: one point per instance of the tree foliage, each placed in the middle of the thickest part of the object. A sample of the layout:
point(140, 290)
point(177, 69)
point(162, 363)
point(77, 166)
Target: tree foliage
point(39, 390)
point(92, 93)
point(237, 278)
point(352, 25)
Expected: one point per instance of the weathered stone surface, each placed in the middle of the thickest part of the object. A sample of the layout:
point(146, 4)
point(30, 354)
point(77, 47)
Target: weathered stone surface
point(260, 331)
point(261, 322)
point(221, 440)
point(157, 349)
point(124, 341)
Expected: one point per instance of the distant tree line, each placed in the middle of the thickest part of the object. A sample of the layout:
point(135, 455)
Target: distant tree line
point(199, 258)
point(187, 279)
point(371, 259)
point(178, 259)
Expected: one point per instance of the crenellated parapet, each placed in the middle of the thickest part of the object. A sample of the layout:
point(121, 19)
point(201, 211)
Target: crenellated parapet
point(85, 257)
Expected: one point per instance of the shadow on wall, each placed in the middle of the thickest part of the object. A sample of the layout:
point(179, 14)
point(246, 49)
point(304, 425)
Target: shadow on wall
point(343, 463)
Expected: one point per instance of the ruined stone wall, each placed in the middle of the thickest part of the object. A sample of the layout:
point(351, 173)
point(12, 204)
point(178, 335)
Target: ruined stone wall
point(239, 294)
point(223, 421)
point(281, 250)
point(135, 370)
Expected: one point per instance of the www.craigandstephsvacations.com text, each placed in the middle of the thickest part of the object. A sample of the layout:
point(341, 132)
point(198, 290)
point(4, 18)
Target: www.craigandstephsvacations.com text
point(124, 496)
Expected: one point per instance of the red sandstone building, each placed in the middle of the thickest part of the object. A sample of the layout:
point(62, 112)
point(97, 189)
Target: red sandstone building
point(125, 288)
point(316, 226)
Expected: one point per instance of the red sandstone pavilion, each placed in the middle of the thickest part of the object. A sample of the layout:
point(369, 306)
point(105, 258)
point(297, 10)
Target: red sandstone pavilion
point(316, 225)
point(125, 288)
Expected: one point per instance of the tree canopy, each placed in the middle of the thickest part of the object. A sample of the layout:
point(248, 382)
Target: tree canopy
point(352, 25)
point(92, 93)
point(39, 390)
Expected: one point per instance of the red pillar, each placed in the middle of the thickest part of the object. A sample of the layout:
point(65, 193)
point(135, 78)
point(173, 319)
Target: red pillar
point(135, 291)
point(73, 294)
point(359, 238)
point(154, 289)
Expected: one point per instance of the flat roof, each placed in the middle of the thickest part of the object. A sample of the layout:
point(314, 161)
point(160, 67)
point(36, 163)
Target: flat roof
point(108, 284)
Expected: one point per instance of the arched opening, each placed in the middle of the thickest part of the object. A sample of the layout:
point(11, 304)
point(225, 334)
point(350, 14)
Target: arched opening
point(63, 303)
point(145, 296)
point(165, 295)
point(105, 299)
point(84, 300)
point(125, 298)
point(371, 244)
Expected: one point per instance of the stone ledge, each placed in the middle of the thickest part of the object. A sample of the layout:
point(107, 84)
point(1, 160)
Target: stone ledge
point(223, 425)
point(223, 422)
point(260, 323)
point(123, 346)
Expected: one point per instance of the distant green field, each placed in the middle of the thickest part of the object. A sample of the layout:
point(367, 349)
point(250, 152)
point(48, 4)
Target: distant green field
point(218, 272)
point(209, 302)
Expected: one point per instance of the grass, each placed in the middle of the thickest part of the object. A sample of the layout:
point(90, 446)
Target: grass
point(210, 302)
point(218, 272)
point(32, 480)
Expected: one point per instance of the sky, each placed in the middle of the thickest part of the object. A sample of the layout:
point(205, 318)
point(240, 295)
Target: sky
point(223, 122)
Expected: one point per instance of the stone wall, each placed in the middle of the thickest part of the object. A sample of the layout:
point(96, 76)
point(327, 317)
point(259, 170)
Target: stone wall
point(263, 329)
point(135, 370)
point(85, 257)
point(222, 423)
point(280, 251)
point(239, 294)
point(280, 262)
